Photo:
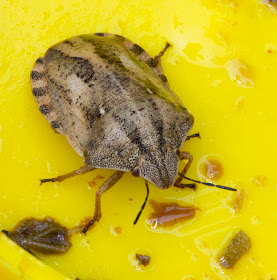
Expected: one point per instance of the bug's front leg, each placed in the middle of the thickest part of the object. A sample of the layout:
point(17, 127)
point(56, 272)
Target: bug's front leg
point(184, 156)
point(82, 170)
point(107, 185)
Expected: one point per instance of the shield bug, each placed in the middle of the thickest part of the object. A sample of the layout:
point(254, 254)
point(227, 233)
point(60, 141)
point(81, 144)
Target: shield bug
point(113, 103)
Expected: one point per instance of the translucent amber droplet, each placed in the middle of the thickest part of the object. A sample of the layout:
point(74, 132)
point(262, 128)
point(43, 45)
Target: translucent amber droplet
point(212, 169)
point(240, 73)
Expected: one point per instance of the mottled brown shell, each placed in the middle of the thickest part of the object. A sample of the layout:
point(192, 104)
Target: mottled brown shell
point(113, 103)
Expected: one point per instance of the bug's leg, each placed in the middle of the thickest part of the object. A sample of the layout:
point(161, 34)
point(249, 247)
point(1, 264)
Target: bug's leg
point(158, 57)
point(107, 185)
point(193, 136)
point(82, 170)
point(184, 156)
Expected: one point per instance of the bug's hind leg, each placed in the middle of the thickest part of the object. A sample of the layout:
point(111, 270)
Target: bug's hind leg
point(82, 170)
point(158, 57)
point(184, 156)
point(107, 185)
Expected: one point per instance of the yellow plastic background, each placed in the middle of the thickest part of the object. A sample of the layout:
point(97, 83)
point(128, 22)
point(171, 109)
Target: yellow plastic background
point(223, 67)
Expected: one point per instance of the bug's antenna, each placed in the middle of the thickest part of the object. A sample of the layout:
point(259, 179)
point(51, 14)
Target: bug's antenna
point(143, 205)
point(208, 184)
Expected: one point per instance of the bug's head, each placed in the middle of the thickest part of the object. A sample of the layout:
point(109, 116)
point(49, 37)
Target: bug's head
point(158, 167)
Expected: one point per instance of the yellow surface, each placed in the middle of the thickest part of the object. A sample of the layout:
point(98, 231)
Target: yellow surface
point(16, 263)
point(223, 65)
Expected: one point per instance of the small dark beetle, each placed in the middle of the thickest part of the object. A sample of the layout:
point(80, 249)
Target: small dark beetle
point(112, 101)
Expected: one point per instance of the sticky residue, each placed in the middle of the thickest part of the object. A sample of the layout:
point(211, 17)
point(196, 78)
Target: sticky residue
point(240, 73)
point(236, 248)
point(271, 48)
point(115, 230)
point(193, 50)
point(255, 220)
point(259, 180)
point(211, 168)
point(239, 104)
point(271, 4)
point(238, 199)
point(208, 276)
point(188, 277)
point(43, 236)
point(167, 214)
point(92, 184)
point(143, 259)
point(271, 276)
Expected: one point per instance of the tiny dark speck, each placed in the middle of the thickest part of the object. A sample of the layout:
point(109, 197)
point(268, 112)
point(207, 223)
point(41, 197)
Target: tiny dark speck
point(99, 34)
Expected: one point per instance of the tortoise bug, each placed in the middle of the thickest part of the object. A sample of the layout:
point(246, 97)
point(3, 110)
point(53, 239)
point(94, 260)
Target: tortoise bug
point(113, 103)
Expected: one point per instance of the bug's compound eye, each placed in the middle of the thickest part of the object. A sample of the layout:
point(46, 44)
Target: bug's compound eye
point(177, 152)
point(135, 172)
